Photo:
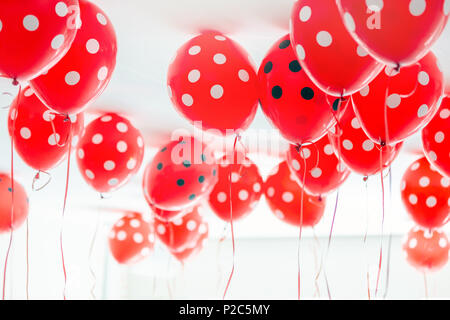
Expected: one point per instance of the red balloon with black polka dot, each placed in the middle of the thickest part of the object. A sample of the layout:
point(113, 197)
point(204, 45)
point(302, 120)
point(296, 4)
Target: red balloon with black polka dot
point(34, 35)
point(241, 179)
point(435, 139)
point(426, 194)
point(212, 82)
point(284, 197)
point(132, 238)
point(356, 150)
point(84, 72)
point(327, 52)
point(426, 250)
point(109, 152)
point(396, 104)
point(323, 173)
point(41, 137)
point(19, 211)
point(290, 100)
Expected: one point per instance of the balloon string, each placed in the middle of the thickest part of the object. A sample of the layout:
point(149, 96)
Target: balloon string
point(425, 284)
point(319, 269)
point(28, 262)
point(388, 265)
point(300, 229)
point(63, 212)
point(37, 177)
point(368, 285)
point(55, 135)
point(219, 249)
point(382, 221)
point(91, 250)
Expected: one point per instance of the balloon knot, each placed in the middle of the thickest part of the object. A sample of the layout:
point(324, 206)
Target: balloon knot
point(365, 178)
point(383, 143)
point(15, 82)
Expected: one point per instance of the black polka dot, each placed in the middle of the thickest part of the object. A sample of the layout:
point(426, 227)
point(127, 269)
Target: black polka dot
point(307, 93)
point(336, 104)
point(186, 163)
point(180, 182)
point(284, 44)
point(277, 92)
point(294, 66)
point(192, 197)
point(159, 166)
point(268, 67)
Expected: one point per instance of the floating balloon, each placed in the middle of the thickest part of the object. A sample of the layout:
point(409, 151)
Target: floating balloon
point(324, 172)
point(399, 32)
point(191, 250)
point(19, 211)
point(327, 52)
point(425, 250)
point(426, 194)
point(244, 182)
point(397, 104)
point(435, 139)
point(283, 194)
point(180, 175)
point(290, 100)
point(34, 35)
point(109, 152)
point(356, 150)
point(213, 83)
point(181, 233)
point(131, 239)
point(41, 136)
point(85, 71)
point(167, 215)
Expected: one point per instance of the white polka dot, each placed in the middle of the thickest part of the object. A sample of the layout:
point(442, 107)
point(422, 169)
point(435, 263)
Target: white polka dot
point(25, 133)
point(424, 182)
point(347, 144)
point(364, 91)
point(431, 201)
point(355, 123)
point(415, 166)
point(439, 137)
point(423, 110)
point(97, 138)
point(221, 197)
point(360, 51)
point(187, 100)
point(316, 172)
point(57, 41)
point(89, 174)
point(243, 75)
point(122, 127)
point(92, 46)
point(243, 195)
point(109, 165)
point(328, 149)
point(121, 235)
point(194, 50)
point(219, 58)
point(53, 139)
point(423, 78)
point(1, 25)
point(412, 199)
point(113, 182)
point(122, 146)
point(220, 38)
point(305, 153)
point(270, 192)
point(102, 73)
point(131, 164)
point(287, 197)
point(324, 38)
point(106, 118)
point(30, 23)
point(120, 223)
point(391, 72)
point(295, 164)
point(368, 145)
point(160, 229)
point(101, 19)
point(13, 114)
point(140, 142)
point(349, 22)
point(194, 76)
point(191, 225)
point(80, 153)
point(417, 7)
point(446, 7)
point(48, 116)
point(305, 13)
point(216, 91)
point(403, 185)
point(300, 52)
point(393, 101)
point(445, 113)
point(234, 177)
point(412, 243)
point(279, 214)
point(61, 9)
point(257, 187)
point(72, 78)
point(341, 167)
point(375, 5)
point(137, 237)
point(432, 155)
point(445, 182)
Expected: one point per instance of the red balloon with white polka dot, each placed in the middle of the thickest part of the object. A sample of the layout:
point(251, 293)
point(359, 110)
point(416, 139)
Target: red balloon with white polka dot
point(284, 197)
point(192, 250)
point(19, 211)
point(327, 52)
point(84, 72)
point(398, 32)
point(356, 150)
point(131, 238)
point(109, 152)
point(243, 180)
point(212, 82)
point(324, 172)
point(41, 137)
point(34, 35)
point(399, 103)
point(290, 100)
point(435, 139)
point(426, 250)
point(426, 194)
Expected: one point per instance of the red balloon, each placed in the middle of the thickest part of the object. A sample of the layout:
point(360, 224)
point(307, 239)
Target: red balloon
point(426, 194)
point(167, 215)
point(191, 250)
point(181, 233)
point(435, 139)
point(35, 35)
point(180, 175)
point(399, 32)
point(406, 100)
point(41, 136)
point(356, 150)
point(327, 52)
point(20, 208)
point(425, 250)
point(290, 100)
point(283, 194)
point(85, 71)
point(131, 238)
point(109, 152)
point(246, 189)
point(212, 83)
point(324, 173)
